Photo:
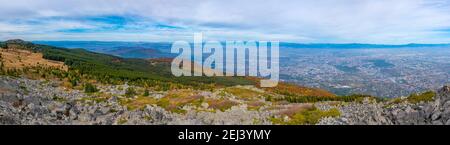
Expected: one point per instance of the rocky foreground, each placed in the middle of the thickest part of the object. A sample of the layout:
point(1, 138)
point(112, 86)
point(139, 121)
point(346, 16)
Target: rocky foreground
point(40, 102)
point(34, 102)
point(370, 112)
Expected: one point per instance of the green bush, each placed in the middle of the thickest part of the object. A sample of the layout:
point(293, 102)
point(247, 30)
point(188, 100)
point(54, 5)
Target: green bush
point(2, 45)
point(146, 93)
point(130, 92)
point(90, 88)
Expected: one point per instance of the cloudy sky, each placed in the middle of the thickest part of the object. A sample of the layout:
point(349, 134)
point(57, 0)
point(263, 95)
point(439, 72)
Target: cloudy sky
point(304, 21)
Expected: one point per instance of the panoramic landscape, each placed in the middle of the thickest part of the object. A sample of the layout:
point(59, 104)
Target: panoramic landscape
point(43, 84)
point(112, 63)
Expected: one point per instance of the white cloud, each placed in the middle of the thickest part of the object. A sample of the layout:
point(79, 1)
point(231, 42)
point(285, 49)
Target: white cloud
point(364, 21)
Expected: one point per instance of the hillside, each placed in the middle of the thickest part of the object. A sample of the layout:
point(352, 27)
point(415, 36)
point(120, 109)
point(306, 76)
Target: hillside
point(112, 69)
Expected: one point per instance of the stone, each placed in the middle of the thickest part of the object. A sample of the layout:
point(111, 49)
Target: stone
point(85, 117)
point(436, 116)
point(112, 99)
point(9, 120)
point(104, 110)
point(447, 122)
point(437, 122)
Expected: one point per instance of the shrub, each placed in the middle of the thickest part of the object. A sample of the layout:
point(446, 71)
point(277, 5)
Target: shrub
point(90, 88)
point(59, 99)
point(3, 45)
point(146, 93)
point(73, 82)
point(130, 92)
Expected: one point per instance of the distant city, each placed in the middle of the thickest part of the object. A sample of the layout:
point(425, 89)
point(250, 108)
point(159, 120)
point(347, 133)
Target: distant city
point(378, 70)
point(382, 72)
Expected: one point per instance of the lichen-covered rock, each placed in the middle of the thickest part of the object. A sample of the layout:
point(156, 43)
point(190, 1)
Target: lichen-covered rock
point(432, 113)
point(25, 101)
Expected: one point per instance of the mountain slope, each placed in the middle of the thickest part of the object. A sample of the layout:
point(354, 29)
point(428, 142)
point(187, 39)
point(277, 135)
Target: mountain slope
point(103, 66)
point(112, 69)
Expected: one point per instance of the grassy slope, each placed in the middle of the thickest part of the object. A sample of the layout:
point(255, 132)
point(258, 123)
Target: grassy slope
point(112, 66)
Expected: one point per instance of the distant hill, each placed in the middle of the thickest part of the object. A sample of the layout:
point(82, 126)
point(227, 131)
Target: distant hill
point(138, 52)
point(122, 49)
point(164, 47)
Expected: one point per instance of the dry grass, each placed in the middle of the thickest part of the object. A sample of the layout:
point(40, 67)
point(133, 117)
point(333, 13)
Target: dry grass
point(18, 59)
point(175, 100)
point(286, 88)
point(299, 90)
point(242, 93)
point(291, 110)
point(139, 103)
point(96, 97)
point(255, 105)
point(220, 104)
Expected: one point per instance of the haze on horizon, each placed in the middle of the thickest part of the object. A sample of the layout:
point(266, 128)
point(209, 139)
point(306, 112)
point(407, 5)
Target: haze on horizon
point(301, 21)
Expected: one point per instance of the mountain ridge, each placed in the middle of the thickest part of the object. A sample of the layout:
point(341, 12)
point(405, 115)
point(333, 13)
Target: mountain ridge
point(282, 44)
